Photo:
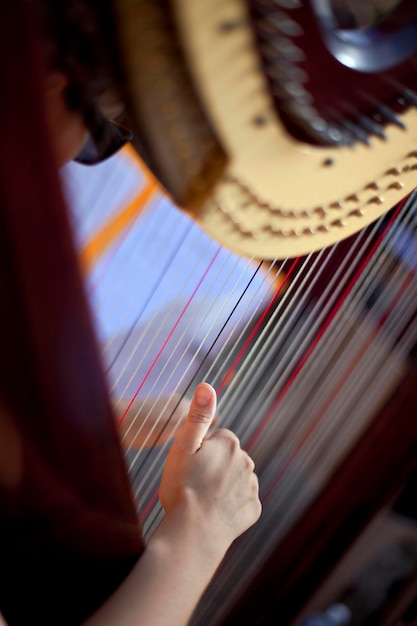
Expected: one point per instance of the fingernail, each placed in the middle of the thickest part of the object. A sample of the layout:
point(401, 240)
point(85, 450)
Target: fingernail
point(203, 395)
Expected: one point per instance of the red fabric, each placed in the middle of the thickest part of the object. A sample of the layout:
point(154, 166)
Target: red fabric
point(68, 526)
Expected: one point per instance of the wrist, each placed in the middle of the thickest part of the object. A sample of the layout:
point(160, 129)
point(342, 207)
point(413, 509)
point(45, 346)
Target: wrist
point(185, 531)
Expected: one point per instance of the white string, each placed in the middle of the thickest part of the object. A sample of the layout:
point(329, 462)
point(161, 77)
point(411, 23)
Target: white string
point(368, 401)
point(149, 481)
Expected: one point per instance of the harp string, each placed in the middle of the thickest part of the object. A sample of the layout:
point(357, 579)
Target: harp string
point(195, 377)
point(317, 337)
point(410, 298)
point(274, 511)
point(249, 340)
point(203, 317)
point(364, 396)
point(163, 268)
point(220, 369)
point(174, 327)
point(150, 338)
point(154, 494)
point(276, 329)
point(282, 326)
point(128, 283)
point(223, 348)
point(151, 479)
point(339, 393)
point(173, 352)
point(156, 480)
point(333, 385)
point(221, 361)
point(140, 297)
point(255, 368)
point(245, 560)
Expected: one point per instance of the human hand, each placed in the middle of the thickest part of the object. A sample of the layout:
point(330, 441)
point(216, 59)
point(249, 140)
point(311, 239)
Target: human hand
point(210, 496)
point(210, 478)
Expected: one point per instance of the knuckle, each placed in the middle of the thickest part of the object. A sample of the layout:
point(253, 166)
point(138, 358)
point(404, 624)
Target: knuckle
point(230, 438)
point(225, 435)
point(254, 484)
point(250, 465)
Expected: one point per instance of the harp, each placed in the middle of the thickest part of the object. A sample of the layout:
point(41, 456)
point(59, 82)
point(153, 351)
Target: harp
point(335, 338)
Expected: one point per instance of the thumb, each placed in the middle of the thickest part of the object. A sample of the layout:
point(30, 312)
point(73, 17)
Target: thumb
point(200, 416)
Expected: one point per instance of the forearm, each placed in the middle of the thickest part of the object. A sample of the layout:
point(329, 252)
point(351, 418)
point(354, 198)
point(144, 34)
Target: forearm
point(167, 582)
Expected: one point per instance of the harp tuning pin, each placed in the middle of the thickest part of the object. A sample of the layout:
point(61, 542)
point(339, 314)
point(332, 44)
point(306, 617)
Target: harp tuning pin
point(413, 154)
point(338, 223)
point(283, 71)
point(410, 96)
point(307, 231)
point(335, 205)
point(352, 198)
point(374, 186)
point(396, 185)
point(389, 115)
point(372, 127)
point(322, 228)
point(271, 228)
point(393, 171)
point(290, 51)
point(286, 25)
point(296, 90)
point(356, 213)
point(319, 211)
point(356, 132)
point(335, 134)
point(276, 210)
point(376, 200)
point(291, 28)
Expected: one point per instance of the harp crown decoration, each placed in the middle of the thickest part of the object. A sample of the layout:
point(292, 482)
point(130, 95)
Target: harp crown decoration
point(304, 149)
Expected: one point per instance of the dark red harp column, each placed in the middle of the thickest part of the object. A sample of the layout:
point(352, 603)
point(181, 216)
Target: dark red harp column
point(68, 527)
